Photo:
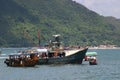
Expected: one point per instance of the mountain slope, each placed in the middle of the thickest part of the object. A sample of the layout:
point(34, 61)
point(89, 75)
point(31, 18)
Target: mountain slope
point(21, 19)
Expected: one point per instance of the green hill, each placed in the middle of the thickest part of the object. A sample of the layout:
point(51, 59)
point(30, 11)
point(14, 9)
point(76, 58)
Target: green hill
point(20, 21)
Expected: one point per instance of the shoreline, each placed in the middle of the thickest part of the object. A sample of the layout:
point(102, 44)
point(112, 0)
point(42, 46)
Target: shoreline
point(103, 48)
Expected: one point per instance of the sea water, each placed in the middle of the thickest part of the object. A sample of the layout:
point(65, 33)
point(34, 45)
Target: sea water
point(108, 68)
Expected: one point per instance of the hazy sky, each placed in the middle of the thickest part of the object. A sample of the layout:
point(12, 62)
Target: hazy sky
point(103, 7)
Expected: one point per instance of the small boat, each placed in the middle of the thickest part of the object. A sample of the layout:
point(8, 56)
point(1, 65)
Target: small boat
point(91, 57)
point(56, 54)
point(93, 62)
point(22, 60)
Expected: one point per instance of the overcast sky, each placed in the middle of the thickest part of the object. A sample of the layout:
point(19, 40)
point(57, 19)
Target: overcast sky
point(103, 7)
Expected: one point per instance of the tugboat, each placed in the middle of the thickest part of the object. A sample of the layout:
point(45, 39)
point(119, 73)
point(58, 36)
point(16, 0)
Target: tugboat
point(56, 54)
point(22, 60)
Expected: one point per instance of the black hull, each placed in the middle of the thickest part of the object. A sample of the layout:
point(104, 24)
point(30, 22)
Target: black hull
point(92, 63)
point(75, 58)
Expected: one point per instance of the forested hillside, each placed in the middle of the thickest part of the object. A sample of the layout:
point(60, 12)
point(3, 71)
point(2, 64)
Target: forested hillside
point(20, 21)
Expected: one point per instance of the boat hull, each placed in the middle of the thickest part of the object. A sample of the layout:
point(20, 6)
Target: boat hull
point(75, 58)
point(92, 63)
point(16, 63)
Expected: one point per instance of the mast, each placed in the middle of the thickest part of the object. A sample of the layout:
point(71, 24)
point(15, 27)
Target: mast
point(39, 38)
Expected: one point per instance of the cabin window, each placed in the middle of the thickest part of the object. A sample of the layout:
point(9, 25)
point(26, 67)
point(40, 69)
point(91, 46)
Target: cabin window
point(56, 54)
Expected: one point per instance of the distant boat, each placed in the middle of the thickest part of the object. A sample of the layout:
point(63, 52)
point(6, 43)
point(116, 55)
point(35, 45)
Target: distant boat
point(3, 57)
point(91, 57)
point(55, 54)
